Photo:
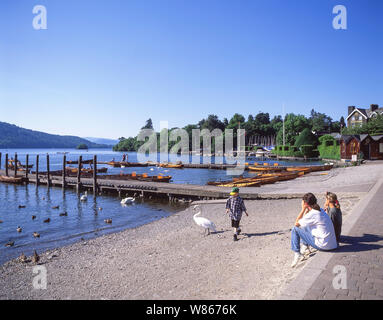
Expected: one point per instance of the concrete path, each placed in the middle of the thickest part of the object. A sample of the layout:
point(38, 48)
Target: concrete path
point(355, 269)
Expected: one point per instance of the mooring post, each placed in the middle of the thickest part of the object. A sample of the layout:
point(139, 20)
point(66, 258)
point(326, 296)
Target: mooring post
point(95, 175)
point(48, 172)
point(37, 170)
point(15, 164)
point(79, 174)
point(26, 166)
point(64, 172)
point(6, 164)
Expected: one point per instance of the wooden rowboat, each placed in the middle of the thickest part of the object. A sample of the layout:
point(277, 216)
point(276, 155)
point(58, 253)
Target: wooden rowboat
point(266, 168)
point(170, 165)
point(15, 180)
point(299, 169)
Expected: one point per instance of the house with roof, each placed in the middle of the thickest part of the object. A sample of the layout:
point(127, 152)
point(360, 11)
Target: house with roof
point(359, 116)
point(371, 147)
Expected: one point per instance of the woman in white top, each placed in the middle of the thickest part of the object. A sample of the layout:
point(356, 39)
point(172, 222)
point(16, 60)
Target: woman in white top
point(313, 227)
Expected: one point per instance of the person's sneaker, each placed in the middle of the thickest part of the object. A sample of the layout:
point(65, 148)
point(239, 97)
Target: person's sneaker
point(297, 258)
point(235, 237)
point(304, 248)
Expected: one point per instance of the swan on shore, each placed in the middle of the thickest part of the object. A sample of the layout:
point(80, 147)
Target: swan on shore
point(203, 222)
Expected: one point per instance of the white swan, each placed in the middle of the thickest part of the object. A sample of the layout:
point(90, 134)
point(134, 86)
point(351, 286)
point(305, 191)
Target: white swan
point(84, 197)
point(128, 200)
point(203, 222)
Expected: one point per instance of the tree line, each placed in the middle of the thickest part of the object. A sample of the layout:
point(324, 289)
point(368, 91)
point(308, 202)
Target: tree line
point(259, 125)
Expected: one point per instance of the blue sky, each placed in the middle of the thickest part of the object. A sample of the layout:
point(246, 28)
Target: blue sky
point(102, 68)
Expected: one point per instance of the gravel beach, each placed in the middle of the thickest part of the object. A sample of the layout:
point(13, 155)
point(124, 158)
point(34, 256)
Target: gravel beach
point(172, 259)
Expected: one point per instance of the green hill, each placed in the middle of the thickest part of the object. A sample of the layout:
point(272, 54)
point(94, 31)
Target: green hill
point(12, 136)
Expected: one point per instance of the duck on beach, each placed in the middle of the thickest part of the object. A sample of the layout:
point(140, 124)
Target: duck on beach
point(35, 257)
point(63, 214)
point(47, 220)
point(19, 229)
point(36, 235)
point(56, 207)
point(21, 206)
point(33, 217)
point(23, 258)
point(108, 221)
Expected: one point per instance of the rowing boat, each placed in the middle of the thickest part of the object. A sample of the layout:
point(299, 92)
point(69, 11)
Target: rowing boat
point(266, 168)
point(170, 165)
point(15, 180)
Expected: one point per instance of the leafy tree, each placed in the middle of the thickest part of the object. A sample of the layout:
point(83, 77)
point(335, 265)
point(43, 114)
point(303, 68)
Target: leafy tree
point(148, 125)
point(320, 122)
point(306, 137)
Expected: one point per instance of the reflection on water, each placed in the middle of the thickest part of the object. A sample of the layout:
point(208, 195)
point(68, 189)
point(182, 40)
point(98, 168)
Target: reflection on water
point(84, 218)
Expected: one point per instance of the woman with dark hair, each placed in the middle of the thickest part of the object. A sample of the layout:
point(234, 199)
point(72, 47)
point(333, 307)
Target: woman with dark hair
point(313, 227)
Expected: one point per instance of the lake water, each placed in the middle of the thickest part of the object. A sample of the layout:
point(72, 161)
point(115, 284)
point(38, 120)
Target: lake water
point(84, 219)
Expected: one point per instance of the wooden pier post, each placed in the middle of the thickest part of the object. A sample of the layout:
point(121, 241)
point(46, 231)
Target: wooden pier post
point(26, 166)
point(6, 164)
point(95, 175)
point(64, 172)
point(0, 160)
point(79, 174)
point(15, 165)
point(37, 170)
point(48, 172)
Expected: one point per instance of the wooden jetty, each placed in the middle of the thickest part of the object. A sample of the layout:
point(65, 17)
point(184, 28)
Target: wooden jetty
point(81, 180)
point(114, 184)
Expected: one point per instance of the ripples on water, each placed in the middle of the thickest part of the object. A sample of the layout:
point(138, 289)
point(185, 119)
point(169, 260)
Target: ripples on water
point(84, 219)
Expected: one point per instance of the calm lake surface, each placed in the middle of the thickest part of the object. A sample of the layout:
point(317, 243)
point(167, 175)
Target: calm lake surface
point(84, 219)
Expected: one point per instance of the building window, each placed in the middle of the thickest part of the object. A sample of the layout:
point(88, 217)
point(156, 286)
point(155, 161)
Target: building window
point(380, 147)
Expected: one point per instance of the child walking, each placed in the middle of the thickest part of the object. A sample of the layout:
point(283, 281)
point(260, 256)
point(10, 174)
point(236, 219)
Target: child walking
point(236, 206)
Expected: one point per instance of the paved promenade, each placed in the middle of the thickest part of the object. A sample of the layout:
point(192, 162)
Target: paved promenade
point(355, 269)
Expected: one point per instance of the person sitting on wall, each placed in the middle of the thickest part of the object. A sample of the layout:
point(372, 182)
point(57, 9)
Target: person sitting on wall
point(313, 227)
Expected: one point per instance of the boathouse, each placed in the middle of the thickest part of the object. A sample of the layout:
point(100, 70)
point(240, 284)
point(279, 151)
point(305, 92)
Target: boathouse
point(371, 147)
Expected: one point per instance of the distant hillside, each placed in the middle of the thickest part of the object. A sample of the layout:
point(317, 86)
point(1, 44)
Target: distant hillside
point(12, 136)
point(110, 142)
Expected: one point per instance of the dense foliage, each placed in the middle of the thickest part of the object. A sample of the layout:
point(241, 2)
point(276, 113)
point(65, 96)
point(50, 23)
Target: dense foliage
point(259, 125)
point(329, 148)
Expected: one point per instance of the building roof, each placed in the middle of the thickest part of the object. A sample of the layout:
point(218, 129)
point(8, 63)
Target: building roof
point(376, 138)
point(366, 113)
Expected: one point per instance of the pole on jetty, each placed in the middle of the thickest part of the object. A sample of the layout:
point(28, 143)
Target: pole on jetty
point(94, 175)
point(26, 166)
point(37, 170)
point(48, 172)
point(15, 164)
point(79, 174)
point(64, 172)
point(6, 164)
point(0, 160)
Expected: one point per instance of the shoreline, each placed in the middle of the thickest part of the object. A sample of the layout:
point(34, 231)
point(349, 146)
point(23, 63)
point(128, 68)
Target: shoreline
point(170, 259)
